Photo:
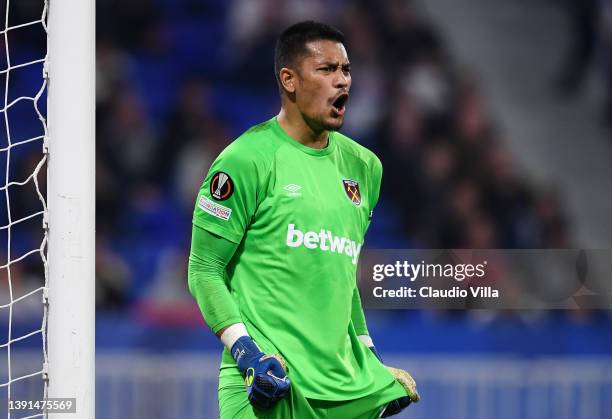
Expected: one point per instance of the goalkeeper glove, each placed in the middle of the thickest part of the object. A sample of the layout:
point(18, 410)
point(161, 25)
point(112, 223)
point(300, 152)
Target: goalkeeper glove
point(264, 375)
point(406, 380)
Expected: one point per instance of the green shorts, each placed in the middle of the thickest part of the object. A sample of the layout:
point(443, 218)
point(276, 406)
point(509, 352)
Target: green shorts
point(233, 403)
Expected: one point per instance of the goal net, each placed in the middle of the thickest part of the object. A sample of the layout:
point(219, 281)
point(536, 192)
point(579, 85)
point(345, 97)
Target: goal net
point(23, 209)
point(47, 185)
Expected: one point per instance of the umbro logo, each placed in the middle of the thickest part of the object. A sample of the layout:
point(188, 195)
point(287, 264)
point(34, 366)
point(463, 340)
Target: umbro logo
point(293, 189)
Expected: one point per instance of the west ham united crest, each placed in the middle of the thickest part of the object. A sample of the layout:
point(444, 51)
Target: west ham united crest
point(352, 190)
point(221, 186)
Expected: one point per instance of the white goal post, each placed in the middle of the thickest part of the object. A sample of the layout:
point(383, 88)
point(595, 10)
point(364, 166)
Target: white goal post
point(71, 204)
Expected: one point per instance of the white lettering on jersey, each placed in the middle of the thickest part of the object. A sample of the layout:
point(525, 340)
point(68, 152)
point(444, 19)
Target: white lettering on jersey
point(325, 240)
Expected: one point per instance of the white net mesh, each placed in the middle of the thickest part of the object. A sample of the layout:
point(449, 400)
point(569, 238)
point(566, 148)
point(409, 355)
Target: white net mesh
point(23, 210)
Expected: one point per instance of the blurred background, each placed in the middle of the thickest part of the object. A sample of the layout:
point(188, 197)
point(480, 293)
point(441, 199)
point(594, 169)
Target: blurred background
point(493, 122)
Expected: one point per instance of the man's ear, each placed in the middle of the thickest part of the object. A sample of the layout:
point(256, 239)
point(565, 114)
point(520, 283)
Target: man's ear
point(288, 79)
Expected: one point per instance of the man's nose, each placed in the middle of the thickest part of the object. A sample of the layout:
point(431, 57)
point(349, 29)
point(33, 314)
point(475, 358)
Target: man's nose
point(341, 79)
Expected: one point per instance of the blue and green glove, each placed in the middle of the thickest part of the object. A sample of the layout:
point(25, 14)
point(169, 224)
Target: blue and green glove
point(264, 375)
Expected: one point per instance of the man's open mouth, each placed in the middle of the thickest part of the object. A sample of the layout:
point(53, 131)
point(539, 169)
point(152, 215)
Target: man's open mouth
point(340, 102)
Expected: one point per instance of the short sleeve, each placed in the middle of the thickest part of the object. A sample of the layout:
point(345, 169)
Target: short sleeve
point(227, 199)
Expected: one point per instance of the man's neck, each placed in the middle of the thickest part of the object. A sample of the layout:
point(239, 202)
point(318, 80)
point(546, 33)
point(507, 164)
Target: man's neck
point(297, 128)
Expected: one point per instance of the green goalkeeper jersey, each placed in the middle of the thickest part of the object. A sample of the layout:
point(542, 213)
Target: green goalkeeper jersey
point(299, 216)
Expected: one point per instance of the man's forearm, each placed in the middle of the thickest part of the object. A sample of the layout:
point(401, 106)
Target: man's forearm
point(357, 316)
point(265, 374)
point(207, 261)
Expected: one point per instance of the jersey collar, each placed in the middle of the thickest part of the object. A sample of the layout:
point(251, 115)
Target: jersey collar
point(331, 144)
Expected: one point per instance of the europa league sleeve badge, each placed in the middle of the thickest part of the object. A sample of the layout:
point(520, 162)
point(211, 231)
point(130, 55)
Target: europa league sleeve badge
point(221, 186)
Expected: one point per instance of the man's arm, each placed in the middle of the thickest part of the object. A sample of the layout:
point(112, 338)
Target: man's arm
point(357, 316)
point(359, 323)
point(265, 375)
point(209, 256)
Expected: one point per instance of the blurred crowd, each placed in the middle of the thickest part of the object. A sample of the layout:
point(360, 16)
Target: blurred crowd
point(177, 81)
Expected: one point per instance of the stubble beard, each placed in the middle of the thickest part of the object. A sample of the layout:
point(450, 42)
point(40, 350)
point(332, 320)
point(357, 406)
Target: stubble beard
point(332, 126)
point(323, 123)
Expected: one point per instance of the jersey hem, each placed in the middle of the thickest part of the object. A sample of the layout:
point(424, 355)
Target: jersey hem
point(337, 397)
point(228, 368)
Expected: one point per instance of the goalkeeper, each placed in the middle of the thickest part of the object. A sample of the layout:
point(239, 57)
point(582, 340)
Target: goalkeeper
point(277, 230)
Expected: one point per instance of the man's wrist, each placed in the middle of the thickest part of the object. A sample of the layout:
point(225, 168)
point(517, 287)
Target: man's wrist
point(366, 340)
point(232, 333)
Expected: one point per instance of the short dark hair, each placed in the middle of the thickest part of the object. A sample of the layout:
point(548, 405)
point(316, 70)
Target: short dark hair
point(291, 44)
